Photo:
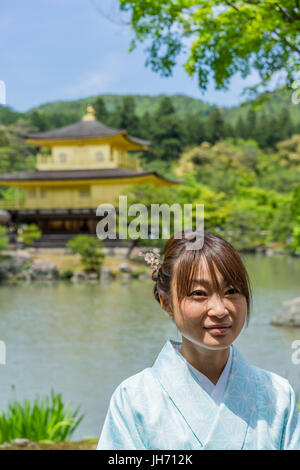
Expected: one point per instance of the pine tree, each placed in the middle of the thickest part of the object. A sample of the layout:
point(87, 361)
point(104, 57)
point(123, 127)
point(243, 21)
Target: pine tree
point(215, 126)
point(100, 110)
point(194, 129)
point(263, 130)
point(240, 129)
point(167, 133)
point(39, 121)
point(127, 117)
point(250, 127)
point(286, 124)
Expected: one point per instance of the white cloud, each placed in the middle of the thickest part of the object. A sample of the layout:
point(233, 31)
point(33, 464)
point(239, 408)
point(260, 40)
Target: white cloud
point(97, 81)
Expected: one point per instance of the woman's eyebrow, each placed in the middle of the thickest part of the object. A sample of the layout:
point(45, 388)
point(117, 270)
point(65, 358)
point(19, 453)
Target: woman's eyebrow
point(205, 282)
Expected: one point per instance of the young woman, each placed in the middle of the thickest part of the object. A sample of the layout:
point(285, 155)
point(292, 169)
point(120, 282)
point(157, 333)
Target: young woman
point(201, 393)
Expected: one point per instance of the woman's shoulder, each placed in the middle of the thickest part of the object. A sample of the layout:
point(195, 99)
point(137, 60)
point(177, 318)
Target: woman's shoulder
point(263, 378)
point(143, 380)
point(269, 382)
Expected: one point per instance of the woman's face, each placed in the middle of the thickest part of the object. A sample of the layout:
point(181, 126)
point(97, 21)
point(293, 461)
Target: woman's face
point(210, 319)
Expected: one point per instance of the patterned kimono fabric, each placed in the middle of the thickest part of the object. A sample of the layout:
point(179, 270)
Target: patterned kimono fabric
point(165, 407)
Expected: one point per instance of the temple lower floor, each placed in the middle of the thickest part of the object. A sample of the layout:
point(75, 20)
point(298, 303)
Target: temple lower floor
point(59, 226)
point(58, 221)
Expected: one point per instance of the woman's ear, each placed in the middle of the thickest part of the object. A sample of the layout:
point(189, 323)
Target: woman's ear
point(165, 305)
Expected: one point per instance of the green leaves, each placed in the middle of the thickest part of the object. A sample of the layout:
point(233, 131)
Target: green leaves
point(221, 37)
point(4, 241)
point(45, 420)
point(30, 233)
point(89, 248)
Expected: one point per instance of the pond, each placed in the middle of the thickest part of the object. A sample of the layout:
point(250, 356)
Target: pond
point(83, 339)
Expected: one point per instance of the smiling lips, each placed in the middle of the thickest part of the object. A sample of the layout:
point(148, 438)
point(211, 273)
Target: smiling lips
point(216, 326)
point(217, 329)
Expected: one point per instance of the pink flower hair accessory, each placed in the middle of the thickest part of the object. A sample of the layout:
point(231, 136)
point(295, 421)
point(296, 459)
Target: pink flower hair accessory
point(151, 258)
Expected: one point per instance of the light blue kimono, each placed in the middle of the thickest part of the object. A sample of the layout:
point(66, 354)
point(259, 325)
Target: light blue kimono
point(164, 408)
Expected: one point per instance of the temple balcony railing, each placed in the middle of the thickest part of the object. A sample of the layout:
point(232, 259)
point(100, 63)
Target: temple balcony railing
point(65, 203)
point(47, 162)
point(126, 162)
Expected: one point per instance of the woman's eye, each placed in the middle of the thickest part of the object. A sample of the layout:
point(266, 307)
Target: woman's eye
point(198, 293)
point(201, 293)
point(235, 291)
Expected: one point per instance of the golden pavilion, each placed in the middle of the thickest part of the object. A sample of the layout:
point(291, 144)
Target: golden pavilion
point(81, 166)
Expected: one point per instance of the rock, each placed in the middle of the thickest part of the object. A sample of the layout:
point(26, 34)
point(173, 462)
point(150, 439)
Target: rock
point(79, 276)
point(14, 263)
point(43, 270)
point(5, 444)
point(124, 268)
point(269, 252)
point(260, 249)
point(20, 442)
point(290, 316)
point(5, 217)
point(106, 273)
point(93, 276)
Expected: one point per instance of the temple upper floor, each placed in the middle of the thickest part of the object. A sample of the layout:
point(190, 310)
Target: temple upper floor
point(87, 144)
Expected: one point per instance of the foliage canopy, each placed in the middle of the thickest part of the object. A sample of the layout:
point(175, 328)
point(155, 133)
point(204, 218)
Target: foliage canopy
point(221, 37)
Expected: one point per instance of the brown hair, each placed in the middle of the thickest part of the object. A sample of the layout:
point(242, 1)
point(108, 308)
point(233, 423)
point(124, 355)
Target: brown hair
point(184, 263)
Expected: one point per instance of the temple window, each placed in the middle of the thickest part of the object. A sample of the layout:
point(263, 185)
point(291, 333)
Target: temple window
point(100, 157)
point(31, 193)
point(62, 157)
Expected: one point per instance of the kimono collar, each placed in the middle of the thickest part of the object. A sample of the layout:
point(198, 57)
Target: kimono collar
point(216, 426)
point(216, 391)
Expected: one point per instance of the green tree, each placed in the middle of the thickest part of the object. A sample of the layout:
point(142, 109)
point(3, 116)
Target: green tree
point(90, 250)
point(4, 241)
point(215, 126)
point(295, 209)
point(263, 131)
point(286, 127)
point(3, 138)
point(241, 128)
point(30, 233)
point(225, 37)
point(39, 121)
point(127, 118)
point(167, 133)
point(250, 124)
point(195, 131)
point(100, 110)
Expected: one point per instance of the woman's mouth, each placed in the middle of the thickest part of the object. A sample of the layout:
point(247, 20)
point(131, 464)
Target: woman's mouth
point(217, 330)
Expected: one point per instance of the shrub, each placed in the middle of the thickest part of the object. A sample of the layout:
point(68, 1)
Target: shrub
point(4, 242)
point(30, 233)
point(66, 273)
point(90, 250)
point(45, 420)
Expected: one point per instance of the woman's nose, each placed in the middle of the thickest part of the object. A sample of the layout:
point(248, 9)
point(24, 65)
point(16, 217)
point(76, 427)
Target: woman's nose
point(216, 306)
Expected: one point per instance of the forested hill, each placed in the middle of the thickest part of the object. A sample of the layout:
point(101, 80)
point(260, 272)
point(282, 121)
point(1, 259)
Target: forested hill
point(172, 123)
point(72, 111)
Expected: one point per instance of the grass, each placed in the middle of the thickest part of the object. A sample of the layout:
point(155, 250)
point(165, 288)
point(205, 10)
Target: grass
point(46, 420)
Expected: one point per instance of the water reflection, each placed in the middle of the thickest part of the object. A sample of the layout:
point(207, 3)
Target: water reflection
point(84, 339)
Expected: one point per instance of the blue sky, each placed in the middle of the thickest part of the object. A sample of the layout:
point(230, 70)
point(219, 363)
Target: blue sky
point(66, 49)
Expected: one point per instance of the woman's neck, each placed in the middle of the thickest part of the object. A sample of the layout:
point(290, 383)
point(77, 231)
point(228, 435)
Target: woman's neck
point(209, 362)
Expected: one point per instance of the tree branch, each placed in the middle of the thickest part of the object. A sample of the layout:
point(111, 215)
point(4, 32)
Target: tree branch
point(289, 18)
